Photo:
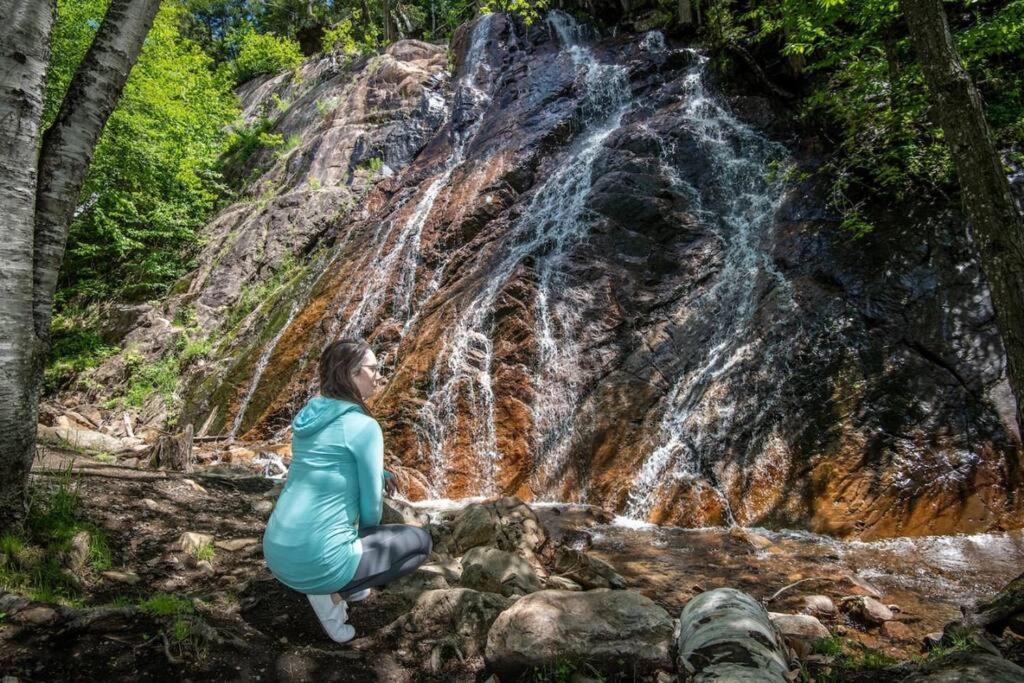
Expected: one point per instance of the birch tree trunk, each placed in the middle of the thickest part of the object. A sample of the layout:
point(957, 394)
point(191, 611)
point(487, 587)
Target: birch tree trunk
point(39, 188)
point(998, 225)
point(726, 635)
point(24, 55)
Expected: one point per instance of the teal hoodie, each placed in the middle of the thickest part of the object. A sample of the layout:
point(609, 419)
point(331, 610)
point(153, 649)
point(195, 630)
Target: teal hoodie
point(334, 488)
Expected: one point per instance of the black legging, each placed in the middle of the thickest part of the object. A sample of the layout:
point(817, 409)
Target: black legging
point(389, 551)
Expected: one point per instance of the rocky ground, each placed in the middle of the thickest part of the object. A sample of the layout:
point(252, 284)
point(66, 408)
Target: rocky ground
point(505, 596)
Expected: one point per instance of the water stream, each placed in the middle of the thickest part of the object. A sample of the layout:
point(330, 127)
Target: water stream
point(551, 223)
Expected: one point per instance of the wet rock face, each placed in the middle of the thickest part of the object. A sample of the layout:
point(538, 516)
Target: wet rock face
point(590, 282)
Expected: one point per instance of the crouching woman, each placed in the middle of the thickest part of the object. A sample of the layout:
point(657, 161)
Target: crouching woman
point(324, 537)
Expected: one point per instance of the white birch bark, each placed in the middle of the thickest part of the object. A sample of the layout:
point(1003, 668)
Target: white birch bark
point(726, 635)
point(24, 55)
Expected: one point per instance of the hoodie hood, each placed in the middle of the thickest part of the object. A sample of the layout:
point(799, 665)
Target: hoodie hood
point(318, 413)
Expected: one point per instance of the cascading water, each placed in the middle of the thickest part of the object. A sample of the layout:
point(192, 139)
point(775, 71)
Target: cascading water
point(549, 226)
point(738, 205)
point(314, 273)
point(394, 275)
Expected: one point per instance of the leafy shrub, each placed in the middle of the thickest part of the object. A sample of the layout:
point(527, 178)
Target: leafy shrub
point(264, 53)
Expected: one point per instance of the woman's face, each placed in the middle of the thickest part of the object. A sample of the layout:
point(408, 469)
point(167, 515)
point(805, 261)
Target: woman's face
point(367, 376)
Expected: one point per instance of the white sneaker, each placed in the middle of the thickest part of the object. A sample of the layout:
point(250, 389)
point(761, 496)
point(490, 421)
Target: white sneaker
point(361, 595)
point(332, 617)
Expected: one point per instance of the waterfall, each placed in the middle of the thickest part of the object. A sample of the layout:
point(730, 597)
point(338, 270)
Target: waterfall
point(394, 275)
point(739, 207)
point(314, 273)
point(552, 222)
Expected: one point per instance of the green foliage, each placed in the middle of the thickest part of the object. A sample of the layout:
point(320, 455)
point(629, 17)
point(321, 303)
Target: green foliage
point(204, 552)
point(261, 292)
point(264, 53)
point(865, 90)
point(243, 142)
point(167, 605)
point(528, 10)
point(152, 181)
point(147, 378)
point(75, 347)
point(33, 558)
point(339, 38)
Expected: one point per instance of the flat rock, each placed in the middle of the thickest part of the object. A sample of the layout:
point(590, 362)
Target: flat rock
point(418, 582)
point(128, 577)
point(37, 616)
point(867, 610)
point(802, 625)
point(562, 584)
point(599, 626)
point(192, 541)
point(235, 544)
point(586, 570)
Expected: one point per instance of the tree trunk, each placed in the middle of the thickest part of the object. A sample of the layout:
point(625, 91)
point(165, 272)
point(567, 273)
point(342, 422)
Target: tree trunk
point(726, 635)
point(173, 452)
point(69, 143)
point(39, 188)
point(24, 55)
point(997, 224)
point(685, 11)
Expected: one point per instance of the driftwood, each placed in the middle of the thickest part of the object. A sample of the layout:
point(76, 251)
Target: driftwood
point(726, 635)
point(173, 452)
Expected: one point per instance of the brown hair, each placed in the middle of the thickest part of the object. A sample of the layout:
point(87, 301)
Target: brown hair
point(338, 362)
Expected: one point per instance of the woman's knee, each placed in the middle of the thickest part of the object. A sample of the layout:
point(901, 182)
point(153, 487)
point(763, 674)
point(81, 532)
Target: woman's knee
point(426, 543)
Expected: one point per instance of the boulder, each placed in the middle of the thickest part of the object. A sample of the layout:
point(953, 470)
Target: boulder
point(398, 512)
point(191, 541)
point(458, 616)
point(726, 635)
point(600, 627)
point(497, 571)
point(868, 610)
point(589, 572)
point(449, 568)
point(417, 582)
point(802, 625)
point(506, 523)
point(819, 605)
point(968, 667)
point(800, 631)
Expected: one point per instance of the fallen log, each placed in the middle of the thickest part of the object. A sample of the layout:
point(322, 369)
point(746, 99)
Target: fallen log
point(726, 635)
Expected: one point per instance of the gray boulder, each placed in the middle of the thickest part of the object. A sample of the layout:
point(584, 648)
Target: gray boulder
point(496, 571)
point(600, 627)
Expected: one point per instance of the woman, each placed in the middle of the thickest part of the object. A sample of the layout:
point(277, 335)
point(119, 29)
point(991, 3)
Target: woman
point(324, 537)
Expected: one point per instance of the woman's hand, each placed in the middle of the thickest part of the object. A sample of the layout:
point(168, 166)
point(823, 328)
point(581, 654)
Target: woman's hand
point(390, 486)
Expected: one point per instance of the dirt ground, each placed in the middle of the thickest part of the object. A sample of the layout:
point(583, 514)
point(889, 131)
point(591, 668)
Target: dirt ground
point(266, 632)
